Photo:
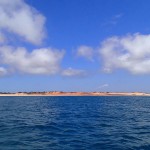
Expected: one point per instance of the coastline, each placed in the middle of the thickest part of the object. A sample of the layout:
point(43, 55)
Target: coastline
point(75, 94)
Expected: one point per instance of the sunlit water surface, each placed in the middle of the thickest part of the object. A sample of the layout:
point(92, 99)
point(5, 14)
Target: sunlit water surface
point(74, 123)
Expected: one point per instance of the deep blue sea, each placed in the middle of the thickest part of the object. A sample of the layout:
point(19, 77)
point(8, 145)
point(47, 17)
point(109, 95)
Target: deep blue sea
point(74, 123)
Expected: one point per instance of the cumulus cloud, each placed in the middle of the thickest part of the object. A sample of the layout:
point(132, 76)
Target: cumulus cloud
point(39, 61)
point(86, 52)
point(20, 19)
point(131, 52)
point(74, 72)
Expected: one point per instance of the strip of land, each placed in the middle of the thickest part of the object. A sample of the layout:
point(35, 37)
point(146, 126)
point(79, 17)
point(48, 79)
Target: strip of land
point(55, 93)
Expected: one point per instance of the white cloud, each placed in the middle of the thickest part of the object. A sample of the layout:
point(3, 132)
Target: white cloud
point(74, 72)
point(103, 86)
point(39, 61)
point(3, 71)
point(116, 18)
point(113, 20)
point(86, 52)
point(19, 18)
point(131, 52)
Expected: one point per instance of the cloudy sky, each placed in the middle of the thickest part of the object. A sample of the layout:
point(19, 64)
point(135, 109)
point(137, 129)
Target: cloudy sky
point(74, 45)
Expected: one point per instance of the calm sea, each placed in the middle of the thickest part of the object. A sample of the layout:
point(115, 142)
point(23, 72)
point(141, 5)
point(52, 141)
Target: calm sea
point(74, 123)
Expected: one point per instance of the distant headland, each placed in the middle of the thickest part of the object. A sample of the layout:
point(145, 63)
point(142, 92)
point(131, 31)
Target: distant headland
point(60, 93)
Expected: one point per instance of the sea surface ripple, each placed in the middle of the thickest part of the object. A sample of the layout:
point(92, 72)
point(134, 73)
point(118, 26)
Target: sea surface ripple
point(74, 123)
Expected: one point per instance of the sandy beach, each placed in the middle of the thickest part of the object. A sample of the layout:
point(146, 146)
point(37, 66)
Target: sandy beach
point(75, 94)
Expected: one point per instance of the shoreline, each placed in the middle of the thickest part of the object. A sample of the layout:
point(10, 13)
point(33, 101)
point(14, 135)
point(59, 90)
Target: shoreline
point(75, 94)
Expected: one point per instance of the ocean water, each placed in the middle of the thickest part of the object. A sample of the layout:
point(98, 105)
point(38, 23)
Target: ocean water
point(74, 123)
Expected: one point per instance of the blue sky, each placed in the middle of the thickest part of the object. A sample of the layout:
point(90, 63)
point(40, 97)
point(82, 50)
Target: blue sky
point(74, 45)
